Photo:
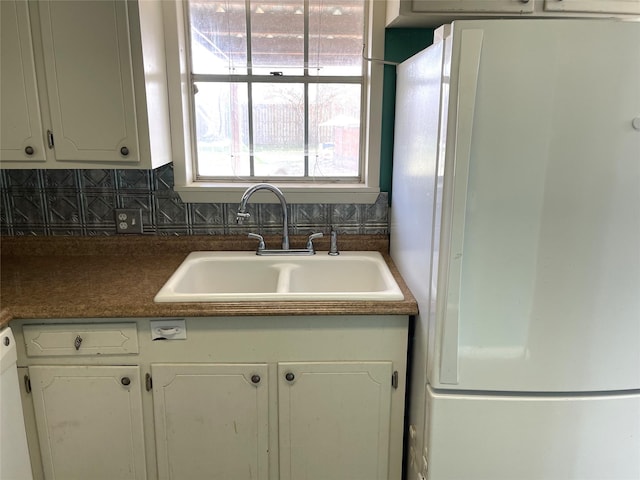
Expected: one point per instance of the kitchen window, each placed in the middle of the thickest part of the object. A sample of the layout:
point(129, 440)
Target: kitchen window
point(278, 92)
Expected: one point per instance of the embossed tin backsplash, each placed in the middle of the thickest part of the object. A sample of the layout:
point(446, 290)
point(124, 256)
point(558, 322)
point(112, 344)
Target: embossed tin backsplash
point(82, 202)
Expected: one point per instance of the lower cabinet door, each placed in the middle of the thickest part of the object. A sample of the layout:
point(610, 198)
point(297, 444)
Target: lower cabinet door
point(89, 421)
point(334, 420)
point(211, 421)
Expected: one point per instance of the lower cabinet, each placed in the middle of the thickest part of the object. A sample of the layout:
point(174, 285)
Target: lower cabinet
point(333, 420)
point(283, 398)
point(89, 421)
point(211, 421)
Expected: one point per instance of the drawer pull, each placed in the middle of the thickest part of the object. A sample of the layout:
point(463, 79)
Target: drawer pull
point(164, 331)
point(77, 342)
point(126, 381)
point(255, 379)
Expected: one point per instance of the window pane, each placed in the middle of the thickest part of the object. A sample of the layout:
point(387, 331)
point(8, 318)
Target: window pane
point(296, 129)
point(278, 119)
point(334, 130)
point(218, 36)
point(222, 129)
point(277, 37)
point(336, 36)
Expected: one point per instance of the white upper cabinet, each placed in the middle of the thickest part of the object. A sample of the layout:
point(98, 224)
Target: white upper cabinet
point(432, 13)
point(87, 57)
point(471, 6)
point(629, 7)
point(102, 77)
point(21, 133)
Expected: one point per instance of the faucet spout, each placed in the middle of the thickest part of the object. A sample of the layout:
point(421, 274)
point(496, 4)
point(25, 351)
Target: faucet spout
point(242, 209)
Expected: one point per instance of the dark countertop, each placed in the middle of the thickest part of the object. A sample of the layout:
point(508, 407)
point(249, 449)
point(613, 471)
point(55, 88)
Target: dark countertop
point(110, 277)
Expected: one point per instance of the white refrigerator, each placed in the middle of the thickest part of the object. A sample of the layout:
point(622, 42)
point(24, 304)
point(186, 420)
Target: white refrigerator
point(515, 221)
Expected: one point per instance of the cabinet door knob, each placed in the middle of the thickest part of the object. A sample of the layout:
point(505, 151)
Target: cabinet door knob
point(126, 381)
point(290, 377)
point(124, 151)
point(255, 378)
point(77, 342)
point(29, 150)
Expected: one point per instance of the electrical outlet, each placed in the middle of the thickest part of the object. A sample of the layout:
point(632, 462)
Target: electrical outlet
point(128, 220)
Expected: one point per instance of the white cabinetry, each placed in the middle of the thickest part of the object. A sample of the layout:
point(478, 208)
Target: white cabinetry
point(315, 397)
point(89, 421)
point(334, 420)
point(211, 420)
point(99, 99)
point(622, 7)
point(471, 6)
point(432, 13)
point(21, 134)
point(88, 412)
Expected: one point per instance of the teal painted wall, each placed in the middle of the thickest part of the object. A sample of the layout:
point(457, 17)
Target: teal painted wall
point(400, 44)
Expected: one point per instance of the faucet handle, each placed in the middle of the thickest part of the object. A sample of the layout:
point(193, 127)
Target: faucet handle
point(261, 245)
point(310, 240)
point(241, 216)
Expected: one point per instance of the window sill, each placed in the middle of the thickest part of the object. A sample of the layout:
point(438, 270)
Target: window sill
point(298, 194)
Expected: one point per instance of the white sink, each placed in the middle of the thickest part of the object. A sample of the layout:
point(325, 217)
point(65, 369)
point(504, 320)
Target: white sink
point(245, 276)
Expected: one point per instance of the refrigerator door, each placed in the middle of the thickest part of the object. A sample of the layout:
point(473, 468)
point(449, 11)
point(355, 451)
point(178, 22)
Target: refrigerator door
point(416, 196)
point(539, 268)
point(558, 437)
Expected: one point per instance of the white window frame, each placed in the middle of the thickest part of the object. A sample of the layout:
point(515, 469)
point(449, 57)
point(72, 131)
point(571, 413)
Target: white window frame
point(198, 191)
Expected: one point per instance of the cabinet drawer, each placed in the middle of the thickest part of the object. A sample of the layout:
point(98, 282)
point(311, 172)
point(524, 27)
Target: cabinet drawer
point(81, 339)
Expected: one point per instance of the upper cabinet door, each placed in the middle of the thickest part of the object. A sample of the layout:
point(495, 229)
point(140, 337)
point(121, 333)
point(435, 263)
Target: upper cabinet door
point(433, 13)
point(475, 6)
point(89, 79)
point(594, 6)
point(20, 122)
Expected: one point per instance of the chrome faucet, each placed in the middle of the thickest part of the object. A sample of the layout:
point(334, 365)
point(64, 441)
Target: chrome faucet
point(242, 209)
point(262, 250)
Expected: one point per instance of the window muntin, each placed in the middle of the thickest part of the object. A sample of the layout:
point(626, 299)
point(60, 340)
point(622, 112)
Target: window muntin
point(292, 113)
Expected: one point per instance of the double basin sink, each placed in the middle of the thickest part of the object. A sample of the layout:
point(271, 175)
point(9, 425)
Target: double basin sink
point(245, 276)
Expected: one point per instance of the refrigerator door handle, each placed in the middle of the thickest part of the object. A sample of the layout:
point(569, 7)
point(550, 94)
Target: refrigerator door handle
point(468, 71)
